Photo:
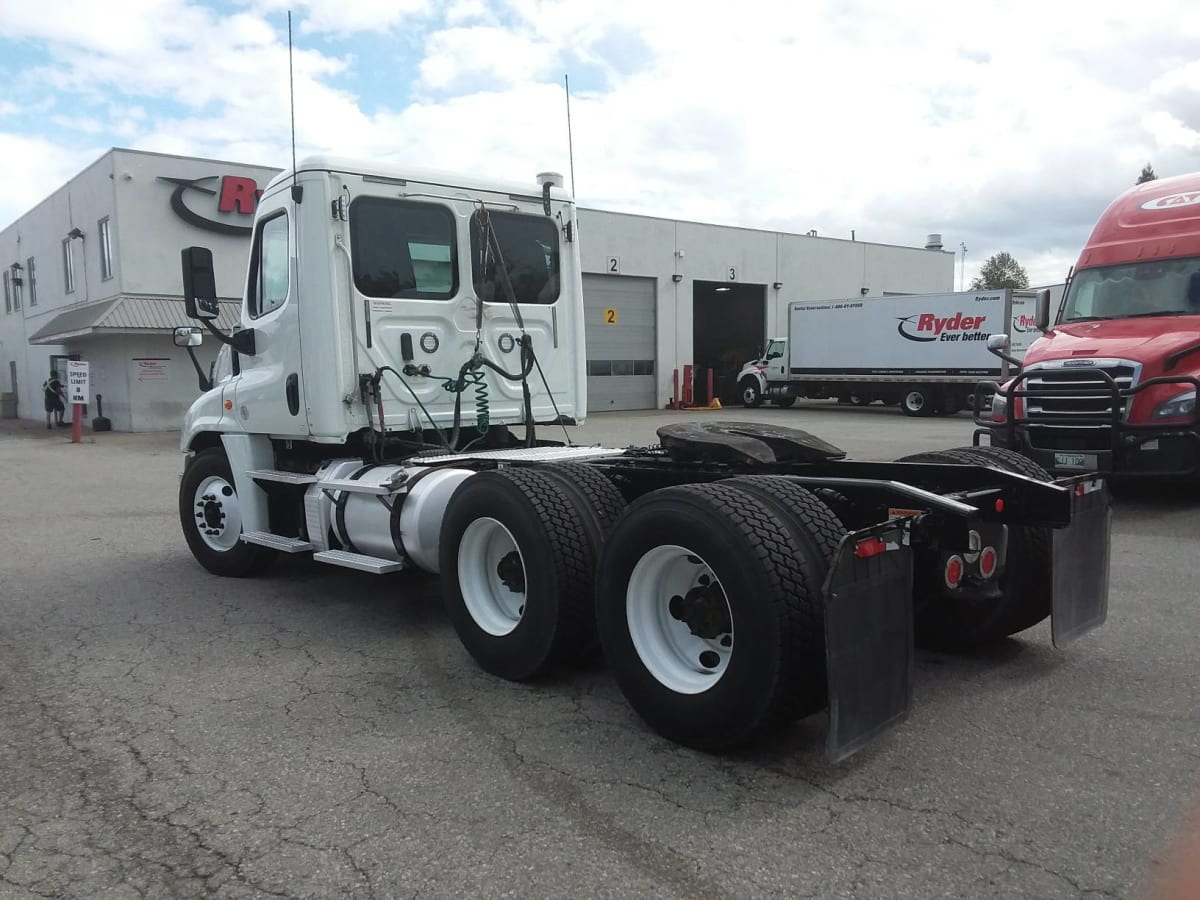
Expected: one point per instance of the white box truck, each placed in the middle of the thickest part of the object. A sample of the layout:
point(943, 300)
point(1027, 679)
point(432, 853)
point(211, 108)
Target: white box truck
point(925, 352)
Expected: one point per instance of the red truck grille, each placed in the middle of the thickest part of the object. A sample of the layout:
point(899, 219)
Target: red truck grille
point(1071, 407)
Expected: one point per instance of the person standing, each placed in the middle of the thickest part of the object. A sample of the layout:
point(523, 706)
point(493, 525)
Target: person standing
point(54, 397)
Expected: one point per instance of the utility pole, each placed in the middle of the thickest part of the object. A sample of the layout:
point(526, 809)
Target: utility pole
point(962, 278)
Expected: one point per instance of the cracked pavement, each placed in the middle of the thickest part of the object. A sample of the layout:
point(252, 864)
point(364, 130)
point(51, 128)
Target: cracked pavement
point(320, 733)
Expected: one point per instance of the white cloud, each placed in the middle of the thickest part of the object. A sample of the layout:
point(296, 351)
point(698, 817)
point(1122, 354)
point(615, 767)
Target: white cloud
point(892, 120)
point(345, 17)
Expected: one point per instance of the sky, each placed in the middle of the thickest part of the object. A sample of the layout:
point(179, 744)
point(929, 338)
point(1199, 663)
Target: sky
point(1000, 125)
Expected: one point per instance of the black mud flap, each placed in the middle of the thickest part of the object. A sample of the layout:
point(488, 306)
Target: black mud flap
point(868, 636)
point(1080, 556)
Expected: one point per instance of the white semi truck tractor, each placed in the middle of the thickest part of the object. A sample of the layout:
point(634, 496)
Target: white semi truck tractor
point(400, 395)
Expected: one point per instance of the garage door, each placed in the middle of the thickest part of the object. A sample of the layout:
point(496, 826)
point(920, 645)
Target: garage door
point(620, 312)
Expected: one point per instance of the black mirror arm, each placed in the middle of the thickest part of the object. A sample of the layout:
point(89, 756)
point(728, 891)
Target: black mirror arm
point(241, 341)
point(1011, 360)
point(205, 381)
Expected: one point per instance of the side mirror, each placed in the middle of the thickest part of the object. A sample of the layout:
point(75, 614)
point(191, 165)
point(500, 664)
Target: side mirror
point(998, 344)
point(199, 284)
point(187, 336)
point(1043, 310)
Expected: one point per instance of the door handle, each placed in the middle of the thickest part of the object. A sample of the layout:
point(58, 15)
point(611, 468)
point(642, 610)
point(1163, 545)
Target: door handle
point(293, 394)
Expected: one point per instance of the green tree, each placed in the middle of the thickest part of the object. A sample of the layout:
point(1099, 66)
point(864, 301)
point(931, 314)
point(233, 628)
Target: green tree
point(1001, 271)
point(1147, 174)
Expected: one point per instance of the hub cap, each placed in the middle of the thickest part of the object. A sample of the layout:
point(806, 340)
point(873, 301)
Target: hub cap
point(679, 619)
point(491, 574)
point(217, 513)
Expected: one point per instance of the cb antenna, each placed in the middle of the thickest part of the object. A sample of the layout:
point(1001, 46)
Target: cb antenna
point(297, 191)
point(570, 144)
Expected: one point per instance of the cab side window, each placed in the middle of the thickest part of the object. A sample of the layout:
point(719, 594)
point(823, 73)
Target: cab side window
point(271, 266)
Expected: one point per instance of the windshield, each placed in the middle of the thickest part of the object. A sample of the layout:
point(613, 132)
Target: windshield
point(529, 245)
point(774, 350)
point(1169, 287)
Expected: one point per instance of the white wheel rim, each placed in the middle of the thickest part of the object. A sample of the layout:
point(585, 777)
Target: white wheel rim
point(749, 394)
point(678, 658)
point(487, 576)
point(915, 401)
point(217, 514)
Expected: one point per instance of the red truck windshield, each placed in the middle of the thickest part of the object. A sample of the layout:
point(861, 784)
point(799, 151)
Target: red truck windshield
point(1169, 287)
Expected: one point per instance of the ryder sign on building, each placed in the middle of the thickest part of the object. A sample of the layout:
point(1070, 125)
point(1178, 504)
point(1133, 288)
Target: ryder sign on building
point(236, 197)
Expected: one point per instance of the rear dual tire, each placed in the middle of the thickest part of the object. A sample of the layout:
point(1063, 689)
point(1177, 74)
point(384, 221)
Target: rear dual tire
point(518, 554)
point(709, 607)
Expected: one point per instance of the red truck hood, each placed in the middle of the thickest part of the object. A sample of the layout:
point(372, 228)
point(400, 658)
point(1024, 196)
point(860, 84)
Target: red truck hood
point(1147, 340)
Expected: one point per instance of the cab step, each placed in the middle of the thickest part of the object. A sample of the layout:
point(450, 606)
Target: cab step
point(276, 541)
point(373, 564)
point(281, 476)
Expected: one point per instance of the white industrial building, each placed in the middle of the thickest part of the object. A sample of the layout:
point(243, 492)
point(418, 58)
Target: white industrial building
point(93, 273)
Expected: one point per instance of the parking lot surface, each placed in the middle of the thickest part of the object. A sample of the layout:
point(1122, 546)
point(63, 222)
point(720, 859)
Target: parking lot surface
point(321, 733)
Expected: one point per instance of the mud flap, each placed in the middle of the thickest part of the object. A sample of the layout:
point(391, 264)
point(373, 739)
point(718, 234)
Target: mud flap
point(1080, 558)
point(868, 637)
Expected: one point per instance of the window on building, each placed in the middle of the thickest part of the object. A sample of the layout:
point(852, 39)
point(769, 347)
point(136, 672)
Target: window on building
point(105, 249)
point(7, 295)
point(403, 249)
point(31, 274)
point(68, 266)
point(17, 278)
point(270, 266)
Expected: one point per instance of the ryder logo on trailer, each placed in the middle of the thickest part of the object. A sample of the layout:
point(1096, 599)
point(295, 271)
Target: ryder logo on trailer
point(1024, 323)
point(236, 194)
point(926, 327)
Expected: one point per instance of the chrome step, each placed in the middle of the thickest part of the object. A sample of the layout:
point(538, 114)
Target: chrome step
point(276, 541)
point(372, 564)
point(359, 487)
point(281, 476)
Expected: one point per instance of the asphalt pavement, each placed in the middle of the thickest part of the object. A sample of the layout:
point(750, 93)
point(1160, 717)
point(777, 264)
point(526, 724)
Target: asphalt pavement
point(319, 732)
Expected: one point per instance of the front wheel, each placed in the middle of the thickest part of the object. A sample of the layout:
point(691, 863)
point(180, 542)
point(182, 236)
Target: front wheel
point(211, 516)
point(751, 393)
point(916, 402)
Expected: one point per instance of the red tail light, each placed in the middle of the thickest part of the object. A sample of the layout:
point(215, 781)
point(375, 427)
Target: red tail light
point(954, 571)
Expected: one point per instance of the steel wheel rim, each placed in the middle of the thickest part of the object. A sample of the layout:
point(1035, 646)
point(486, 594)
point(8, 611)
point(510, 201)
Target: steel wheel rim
point(487, 576)
point(749, 394)
point(666, 645)
point(915, 401)
point(218, 515)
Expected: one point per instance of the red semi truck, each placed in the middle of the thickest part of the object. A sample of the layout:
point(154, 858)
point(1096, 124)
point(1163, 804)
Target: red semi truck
point(1112, 385)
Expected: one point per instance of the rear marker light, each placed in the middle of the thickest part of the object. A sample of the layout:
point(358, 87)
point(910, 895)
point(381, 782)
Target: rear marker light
point(999, 504)
point(954, 571)
point(870, 547)
point(987, 562)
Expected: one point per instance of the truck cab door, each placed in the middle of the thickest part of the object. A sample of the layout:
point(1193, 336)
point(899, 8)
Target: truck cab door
point(269, 393)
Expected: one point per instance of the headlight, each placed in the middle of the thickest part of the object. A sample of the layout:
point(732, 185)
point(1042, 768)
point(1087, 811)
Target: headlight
point(1180, 405)
point(999, 407)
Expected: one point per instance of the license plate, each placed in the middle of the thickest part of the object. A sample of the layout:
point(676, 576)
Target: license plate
point(1075, 460)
